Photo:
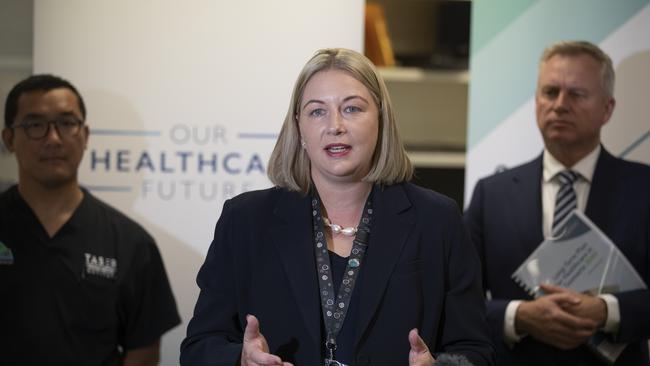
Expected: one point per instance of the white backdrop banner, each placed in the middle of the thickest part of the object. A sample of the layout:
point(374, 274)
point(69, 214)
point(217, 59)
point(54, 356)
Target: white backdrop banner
point(185, 100)
point(506, 47)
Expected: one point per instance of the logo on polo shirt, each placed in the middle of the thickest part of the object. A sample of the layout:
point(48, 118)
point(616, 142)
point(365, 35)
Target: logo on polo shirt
point(6, 255)
point(101, 266)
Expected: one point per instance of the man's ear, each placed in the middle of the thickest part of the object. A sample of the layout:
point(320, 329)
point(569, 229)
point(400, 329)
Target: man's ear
point(86, 132)
point(8, 138)
point(609, 110)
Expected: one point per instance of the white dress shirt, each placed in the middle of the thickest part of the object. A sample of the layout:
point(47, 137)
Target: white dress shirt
point(550, 186)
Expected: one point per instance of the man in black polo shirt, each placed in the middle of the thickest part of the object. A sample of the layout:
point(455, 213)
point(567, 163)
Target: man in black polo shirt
point(80, 283)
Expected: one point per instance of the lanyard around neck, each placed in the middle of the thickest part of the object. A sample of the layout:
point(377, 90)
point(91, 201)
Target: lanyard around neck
point(334, 308)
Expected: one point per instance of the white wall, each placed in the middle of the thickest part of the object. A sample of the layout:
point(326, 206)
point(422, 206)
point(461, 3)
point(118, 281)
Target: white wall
point(167, 81)
point(15, 64)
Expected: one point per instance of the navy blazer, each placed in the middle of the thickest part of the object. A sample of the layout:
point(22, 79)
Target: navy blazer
point(420, 270)
point(505, 222)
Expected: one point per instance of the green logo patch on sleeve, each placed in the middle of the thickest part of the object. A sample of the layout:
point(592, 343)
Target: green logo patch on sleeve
point(6, 255)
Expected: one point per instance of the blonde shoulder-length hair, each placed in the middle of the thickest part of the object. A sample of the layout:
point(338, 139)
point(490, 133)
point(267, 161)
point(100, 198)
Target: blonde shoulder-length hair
point(289, 165)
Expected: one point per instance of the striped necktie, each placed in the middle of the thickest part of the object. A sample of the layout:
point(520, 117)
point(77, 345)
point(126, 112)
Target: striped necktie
point(566, 200)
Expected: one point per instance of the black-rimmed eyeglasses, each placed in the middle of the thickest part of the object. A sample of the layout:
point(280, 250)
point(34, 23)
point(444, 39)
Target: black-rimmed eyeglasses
point(37, 128)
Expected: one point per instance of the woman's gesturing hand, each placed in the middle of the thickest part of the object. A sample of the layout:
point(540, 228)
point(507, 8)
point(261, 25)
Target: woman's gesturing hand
point(255, 351)
point(419, 354)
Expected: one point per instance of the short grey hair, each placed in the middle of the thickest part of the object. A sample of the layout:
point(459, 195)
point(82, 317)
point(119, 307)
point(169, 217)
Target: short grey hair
point(576, 48)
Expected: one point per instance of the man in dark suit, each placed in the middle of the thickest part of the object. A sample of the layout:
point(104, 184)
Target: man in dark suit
point(512, 212)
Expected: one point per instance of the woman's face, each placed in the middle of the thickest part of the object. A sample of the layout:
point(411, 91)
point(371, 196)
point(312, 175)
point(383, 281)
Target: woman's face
point(339, 126)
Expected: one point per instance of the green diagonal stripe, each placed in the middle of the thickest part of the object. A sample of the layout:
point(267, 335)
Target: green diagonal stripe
point(492, 19)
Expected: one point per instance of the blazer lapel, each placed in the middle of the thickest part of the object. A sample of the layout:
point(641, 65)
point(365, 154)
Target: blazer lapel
point(527, 205)
point(601, 201)
point(292, 235)
point(391, 224)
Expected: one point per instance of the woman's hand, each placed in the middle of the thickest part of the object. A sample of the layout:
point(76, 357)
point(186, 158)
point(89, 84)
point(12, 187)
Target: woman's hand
point(419, 354)
point(255, 350)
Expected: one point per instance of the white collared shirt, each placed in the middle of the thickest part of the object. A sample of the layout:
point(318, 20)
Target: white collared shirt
point(550, 186)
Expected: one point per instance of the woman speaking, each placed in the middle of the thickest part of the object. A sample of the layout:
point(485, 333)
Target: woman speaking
point(343, 262)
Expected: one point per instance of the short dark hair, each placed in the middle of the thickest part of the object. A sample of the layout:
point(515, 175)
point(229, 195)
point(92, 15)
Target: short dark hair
point(42, 82)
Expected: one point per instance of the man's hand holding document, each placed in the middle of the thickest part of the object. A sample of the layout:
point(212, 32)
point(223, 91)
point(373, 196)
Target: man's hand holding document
point(583, 259)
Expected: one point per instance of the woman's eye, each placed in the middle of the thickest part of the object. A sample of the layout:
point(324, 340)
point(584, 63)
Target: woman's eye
point(317, 112)
point(351, 109)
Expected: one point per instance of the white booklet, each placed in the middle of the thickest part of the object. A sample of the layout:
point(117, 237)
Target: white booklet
point(583, 259)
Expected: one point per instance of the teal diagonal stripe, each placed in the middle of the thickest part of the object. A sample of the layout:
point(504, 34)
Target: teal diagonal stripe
point(635, 144)
point(493, 19)
point(504, 70)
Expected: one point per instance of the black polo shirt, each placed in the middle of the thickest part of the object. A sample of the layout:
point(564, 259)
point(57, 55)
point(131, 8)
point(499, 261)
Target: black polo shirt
point(82, 297)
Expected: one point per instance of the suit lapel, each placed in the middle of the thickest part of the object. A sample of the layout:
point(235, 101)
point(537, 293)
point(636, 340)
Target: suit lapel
point(292, 235)
point(601, 201)
point(391, 224)
point(527, 202)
